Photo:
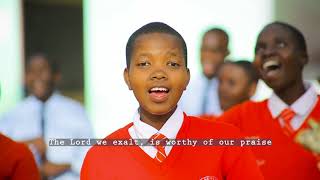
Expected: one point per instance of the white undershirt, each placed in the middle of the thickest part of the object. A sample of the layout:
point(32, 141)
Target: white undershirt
point(302, 106)
point(170, 129)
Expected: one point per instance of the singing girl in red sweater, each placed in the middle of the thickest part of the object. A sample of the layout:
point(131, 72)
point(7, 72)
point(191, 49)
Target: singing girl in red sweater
point(157, 74)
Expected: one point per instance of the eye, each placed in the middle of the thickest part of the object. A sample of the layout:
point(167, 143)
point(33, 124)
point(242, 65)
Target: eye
point(173, 64)
point(281, 44)
point(143, 64)
point(259, 48)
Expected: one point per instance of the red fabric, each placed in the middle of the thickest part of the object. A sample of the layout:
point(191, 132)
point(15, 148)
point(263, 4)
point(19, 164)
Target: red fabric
point(16, 161)
point(285, 159)
point(183, 162)
point(161, 153)
point(208, 117)
point(287, 115)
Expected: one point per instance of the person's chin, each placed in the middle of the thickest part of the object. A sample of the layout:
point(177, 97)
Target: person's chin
point(275, 85)
point(160, 110)
point(209, 75)
point(225, 108)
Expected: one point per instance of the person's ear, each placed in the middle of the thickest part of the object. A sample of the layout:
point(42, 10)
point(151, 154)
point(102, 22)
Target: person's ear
point(188, 79)
point(252, 89)
point(126, 78)
point(304, 58)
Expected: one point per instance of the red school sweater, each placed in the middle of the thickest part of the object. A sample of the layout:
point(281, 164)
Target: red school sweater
point(16, 161)
point(183, 162)
point(285, 159)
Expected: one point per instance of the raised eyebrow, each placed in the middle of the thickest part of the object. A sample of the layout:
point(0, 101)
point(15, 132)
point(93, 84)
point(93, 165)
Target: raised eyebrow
point(174, 53)
point(141, 56)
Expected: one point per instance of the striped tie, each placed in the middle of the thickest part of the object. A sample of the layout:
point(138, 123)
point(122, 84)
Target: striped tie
point(161, 154)
point(287, 115)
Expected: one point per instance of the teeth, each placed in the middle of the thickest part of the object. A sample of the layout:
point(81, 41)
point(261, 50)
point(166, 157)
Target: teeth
point(268, 64)
point(159, 89)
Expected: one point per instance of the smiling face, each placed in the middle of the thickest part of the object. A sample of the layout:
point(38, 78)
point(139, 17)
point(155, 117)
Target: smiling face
point(40, 79)
point(157, 73)
point(214, 49)
point(278, 58)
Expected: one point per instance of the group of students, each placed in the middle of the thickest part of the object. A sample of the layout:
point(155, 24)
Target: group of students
point(157, 73)
point(222, 83)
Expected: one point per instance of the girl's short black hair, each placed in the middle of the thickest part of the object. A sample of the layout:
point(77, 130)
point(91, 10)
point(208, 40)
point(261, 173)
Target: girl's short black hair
point(154, 27)
point(249, 69)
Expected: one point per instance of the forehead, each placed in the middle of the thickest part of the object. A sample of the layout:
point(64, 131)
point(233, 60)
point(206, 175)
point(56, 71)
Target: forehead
point(276, 31)
point(38, 61)
point(152, 41)
point(214, 38)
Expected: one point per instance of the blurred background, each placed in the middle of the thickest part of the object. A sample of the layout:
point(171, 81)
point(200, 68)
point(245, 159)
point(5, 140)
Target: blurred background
point(88, 37)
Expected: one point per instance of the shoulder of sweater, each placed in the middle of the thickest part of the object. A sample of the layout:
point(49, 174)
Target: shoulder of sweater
point(249, 106)
point(14, 149)
point(109, 151)
point(212, 127)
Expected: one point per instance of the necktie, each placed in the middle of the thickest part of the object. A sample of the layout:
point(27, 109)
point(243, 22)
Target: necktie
point(205, 98)
point(161, 154)
point(42, 119)
point(287, 115)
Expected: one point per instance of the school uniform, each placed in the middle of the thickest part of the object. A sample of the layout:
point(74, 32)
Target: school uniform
point(180, 162)
point(208, 117)
point(286, 158)
point(16, 161)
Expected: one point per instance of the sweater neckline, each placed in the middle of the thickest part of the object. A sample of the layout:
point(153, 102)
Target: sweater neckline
point(149, 163)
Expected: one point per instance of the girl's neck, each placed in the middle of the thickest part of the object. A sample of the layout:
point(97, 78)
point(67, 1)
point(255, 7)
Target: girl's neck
point(156, 121)
point(293, 92)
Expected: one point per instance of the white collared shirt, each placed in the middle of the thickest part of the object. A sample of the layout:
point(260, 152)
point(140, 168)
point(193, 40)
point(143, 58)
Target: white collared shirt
point(170, 129)
point(302, 106)
point(192, 98)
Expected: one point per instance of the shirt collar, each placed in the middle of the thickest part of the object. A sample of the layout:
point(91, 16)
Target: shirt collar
point(55, 94)
point(170, 129)
point(301, 106)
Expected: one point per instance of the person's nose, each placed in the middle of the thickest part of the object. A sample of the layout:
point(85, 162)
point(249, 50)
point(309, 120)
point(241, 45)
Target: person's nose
point(269, 52)
point(159, 74)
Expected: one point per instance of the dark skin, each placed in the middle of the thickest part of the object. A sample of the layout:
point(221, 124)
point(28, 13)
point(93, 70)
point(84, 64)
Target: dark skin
point(40, 79)
point(157, 62)
point(214, 49)
point(235, 86)
point(287, 82)
point(156, 121)
point(41, 82)
point(276, 43)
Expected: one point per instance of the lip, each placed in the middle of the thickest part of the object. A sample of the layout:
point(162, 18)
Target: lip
point(271, 68)
point(159, 96)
